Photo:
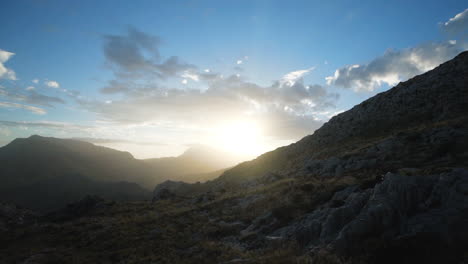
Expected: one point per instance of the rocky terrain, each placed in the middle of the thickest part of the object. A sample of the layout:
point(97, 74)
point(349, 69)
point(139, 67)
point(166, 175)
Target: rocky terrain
point(385, 182)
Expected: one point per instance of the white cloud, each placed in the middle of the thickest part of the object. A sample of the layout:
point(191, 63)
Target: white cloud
point(36, 81)
point(6, 73)
point(239, 62)
point(291, 78)
point(190, 75)
point(52, 84)
point(32, 109)
point(457, 24)
point(229, 98)
point(30, 88)
point(394, 66)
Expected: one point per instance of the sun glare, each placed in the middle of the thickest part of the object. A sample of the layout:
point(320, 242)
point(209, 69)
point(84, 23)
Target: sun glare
point(241, 138)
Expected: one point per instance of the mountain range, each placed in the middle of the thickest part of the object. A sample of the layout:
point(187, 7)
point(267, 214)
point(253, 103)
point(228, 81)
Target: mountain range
point(46, 173)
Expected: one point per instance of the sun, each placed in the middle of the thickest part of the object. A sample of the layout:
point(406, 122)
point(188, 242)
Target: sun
point(242, 138)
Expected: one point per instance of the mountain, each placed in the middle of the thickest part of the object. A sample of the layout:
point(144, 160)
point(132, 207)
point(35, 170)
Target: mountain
point(385, 182)
point(45, 173)
point(198, 163)
point(36, 158)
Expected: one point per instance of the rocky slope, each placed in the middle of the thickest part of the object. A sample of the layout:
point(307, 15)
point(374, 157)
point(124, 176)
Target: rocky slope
point(385, 182)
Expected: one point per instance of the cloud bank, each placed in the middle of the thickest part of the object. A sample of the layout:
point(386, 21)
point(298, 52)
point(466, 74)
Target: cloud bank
point(139, 94)
point(394, 66)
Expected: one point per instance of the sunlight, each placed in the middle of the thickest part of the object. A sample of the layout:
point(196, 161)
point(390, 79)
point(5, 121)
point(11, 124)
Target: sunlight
point(241, 138)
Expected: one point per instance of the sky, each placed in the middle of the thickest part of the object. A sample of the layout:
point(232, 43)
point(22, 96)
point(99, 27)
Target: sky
point(156, 77)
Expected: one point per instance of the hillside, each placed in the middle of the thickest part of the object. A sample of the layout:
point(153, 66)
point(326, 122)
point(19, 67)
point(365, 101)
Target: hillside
point(385, 182)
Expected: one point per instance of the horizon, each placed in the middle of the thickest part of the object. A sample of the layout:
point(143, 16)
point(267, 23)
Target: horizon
point(244, 77)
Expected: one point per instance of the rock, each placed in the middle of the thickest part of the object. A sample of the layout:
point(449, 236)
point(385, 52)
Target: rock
point(401, 206)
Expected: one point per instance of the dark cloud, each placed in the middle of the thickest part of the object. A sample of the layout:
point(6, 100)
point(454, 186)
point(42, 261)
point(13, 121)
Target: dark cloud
point(127, 52)
point(30, 97)
point(136, 55)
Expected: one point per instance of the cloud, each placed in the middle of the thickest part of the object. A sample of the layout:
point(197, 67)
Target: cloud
point(399, 65)
point(190, 75)
point(41, 99)
point(127, 52)
point(136, 54)
point(115, 87)
point(228, 98)
point(457, 24)
point(145, 97)
point(46, 124)
point(394, 66)
point(52, 84)
point(36, 81)
point(30, 97)
point(291, 78)
point(32, 109)
point(6, 73)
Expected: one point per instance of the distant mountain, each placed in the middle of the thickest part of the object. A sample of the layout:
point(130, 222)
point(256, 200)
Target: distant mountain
point(28, 160)
point(198, 163)
point(45, 173)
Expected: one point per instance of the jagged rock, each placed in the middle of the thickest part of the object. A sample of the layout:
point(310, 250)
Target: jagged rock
point(399, 207)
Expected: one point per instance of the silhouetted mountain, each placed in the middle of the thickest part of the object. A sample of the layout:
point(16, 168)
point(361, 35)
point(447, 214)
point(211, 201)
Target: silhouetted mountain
point(28, 160)
point(198, 163)
point(46, 173)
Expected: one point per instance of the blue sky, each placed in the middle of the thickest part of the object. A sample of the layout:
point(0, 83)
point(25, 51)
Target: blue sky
point(154, 77)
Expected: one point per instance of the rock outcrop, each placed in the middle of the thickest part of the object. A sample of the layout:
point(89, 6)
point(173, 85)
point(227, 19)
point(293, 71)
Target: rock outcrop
point(402, 209)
